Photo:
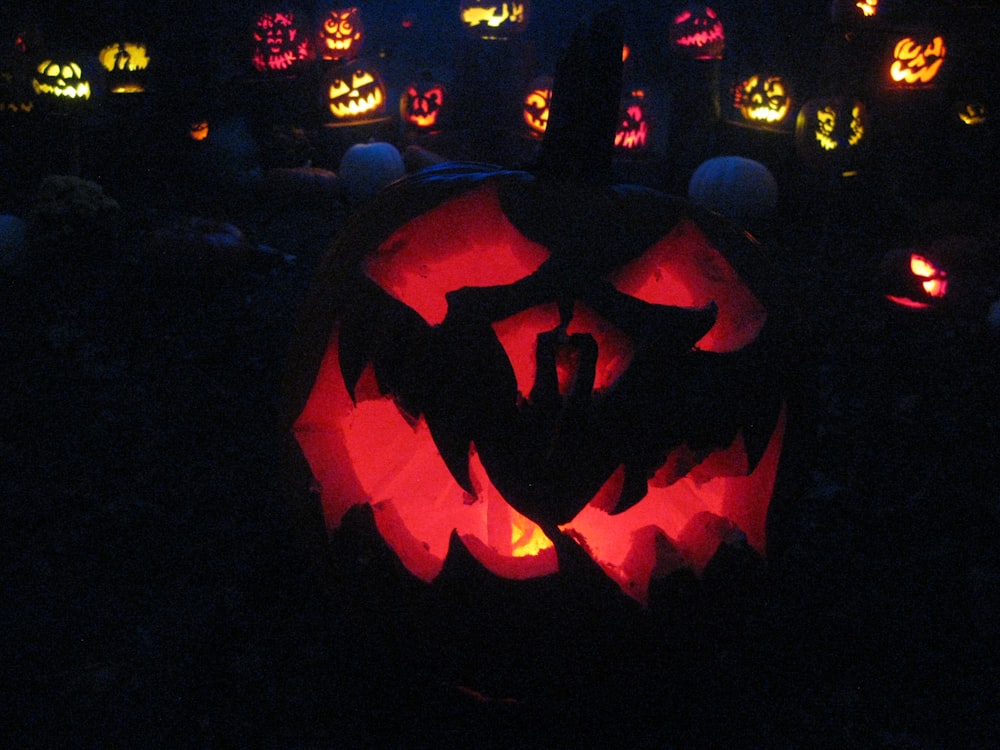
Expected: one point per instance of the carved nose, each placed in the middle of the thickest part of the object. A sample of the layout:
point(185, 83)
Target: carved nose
point(565, 364)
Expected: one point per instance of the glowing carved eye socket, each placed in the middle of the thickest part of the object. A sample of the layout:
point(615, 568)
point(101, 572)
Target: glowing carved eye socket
point(935, 280)
point(362, 80)
point(339, 89)
point(683, 17)
point(683, 269)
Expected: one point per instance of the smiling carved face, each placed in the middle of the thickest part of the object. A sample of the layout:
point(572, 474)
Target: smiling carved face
point(355, 94)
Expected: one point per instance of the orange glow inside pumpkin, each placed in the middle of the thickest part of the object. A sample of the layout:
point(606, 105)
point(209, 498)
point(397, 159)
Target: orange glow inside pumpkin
point(364, 448)
point(916, 64)
point(933, 281)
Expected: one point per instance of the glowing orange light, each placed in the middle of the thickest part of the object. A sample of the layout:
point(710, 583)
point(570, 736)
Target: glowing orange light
point(936, 284)
point(868, 7)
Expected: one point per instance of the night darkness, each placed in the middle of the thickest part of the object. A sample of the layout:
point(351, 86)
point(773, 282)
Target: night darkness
point(165, 583)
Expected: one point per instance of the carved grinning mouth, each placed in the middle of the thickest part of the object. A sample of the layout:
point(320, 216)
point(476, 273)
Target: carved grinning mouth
point(701, 38)
point(357, 105)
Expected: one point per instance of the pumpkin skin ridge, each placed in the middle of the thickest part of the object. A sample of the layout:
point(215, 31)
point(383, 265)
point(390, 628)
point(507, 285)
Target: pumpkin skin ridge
point(422, 191)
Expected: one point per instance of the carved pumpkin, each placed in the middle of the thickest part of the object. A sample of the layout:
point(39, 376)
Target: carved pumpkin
point(853, 10)
point(697, 32)
point(830, 132)
point(62, 80)
point(764, 101)
point(487, 19)
point(341, 35)
point(971, 112)
point(16, 97)
point(490, 373)
point(632, 133)
point(354, 94)
point(422, 103)
point(282, 42)
point(916, 63)
point(535, 109)
point(198, 130)
point(126, 64)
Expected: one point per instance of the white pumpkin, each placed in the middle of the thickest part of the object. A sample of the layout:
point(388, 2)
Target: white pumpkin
point(736, 187)
point(366, 168)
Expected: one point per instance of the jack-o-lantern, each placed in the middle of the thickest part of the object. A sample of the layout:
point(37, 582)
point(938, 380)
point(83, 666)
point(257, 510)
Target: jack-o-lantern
point(763, 101)
point(281, 42)
point(830, 132)
point(341, 34)
point(486, 19)
point(354, 94)
point(59, 80)
point(632, 133)
point(198, 130)
point(923, 282)
point(535, 108)
point(954, 273)
point(536, 363)
point(126, 64)
point(15, 91)
point(422, 104)
point(491, 373)
point(971, 112)
point(916, 63)
point(853, 10)
point(697, 32)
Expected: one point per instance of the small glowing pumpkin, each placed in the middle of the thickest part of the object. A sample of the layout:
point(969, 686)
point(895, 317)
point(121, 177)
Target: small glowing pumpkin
point(354, 94)
point(282, 44)
point(422, 103)
point(126, 64)
point(831, 132)
point(62, 80)
point(971, 112)
point(697, 32)
point(763, 100)
point(632, 133)
point(535, 109)
point(341, 35)
point(916, 64)
point(494, 20)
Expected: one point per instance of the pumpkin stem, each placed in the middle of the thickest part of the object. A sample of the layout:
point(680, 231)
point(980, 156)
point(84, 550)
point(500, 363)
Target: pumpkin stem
point(579, 138)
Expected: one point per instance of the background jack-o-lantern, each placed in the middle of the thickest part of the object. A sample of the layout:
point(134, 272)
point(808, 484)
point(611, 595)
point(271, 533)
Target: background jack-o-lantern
point(487, 19)
point(697, 32)
point(535, 107)
point(632, 133)
point(530, 361)
point(64, 82)
point(763, 101)
point(341, 34)
point(831, 133)
point(126, 64)
point(282, 42)
point(422, 103)
point(354, 94)
point(916, 63)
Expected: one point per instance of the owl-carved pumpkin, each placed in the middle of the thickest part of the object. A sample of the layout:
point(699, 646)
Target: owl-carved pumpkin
point(341, 34)
point(282, 43)
point(518, 362)
point(697, 32)
point(354, 94)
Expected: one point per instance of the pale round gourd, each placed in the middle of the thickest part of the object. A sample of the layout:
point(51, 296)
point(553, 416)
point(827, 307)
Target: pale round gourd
point(366, 168)
point(736, 187)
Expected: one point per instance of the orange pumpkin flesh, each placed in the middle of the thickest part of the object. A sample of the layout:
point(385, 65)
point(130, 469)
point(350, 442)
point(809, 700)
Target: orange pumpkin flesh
point(373, 433)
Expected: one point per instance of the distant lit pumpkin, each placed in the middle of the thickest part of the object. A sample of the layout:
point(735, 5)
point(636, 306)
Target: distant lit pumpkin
point(198, 130)
point(487, 19)
point(831, 132)
point(62, 79)
point(16, 95)
point(535, 108)
point(354, 94)
point(971, 112)
point(126, 64)
point(632, 134)
point(854, 10)
point(916, 63)
point(341, 34)
point(282, 42)
point(764, 100)
point(422, 104)
point(697, 32)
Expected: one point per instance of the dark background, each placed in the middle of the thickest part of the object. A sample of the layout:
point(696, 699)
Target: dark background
point(160, 588)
